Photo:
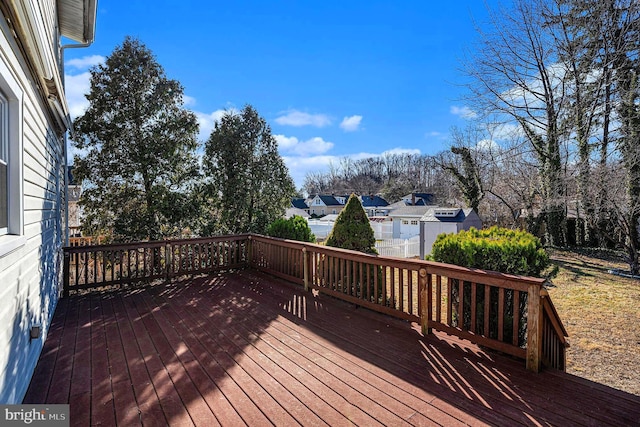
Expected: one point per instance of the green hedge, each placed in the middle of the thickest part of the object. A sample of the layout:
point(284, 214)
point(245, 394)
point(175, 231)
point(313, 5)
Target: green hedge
point(495, 248)
point(294, 228)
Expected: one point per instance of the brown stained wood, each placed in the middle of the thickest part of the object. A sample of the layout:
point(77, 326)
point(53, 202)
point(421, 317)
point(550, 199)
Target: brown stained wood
point(473, 307)
point(392, 286)
point(534, 329)
point(516, 317)
point(361, 281)
point(401, 305)
point(487, 307)
point(438, 298)
point(461, 304)
point(449, 302)
point(425, 303)
point(481, 340)
point(245, 348)
point(410, 297)
point(500, 314)
point(375, 284)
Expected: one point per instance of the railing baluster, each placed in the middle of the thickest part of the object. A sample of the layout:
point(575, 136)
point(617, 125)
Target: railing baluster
point(487, 306)
point(500, 314)
point(516, 318)
point(473, 307)
point(461, 304)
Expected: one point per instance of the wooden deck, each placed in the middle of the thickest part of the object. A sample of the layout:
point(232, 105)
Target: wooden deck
point(245, 348)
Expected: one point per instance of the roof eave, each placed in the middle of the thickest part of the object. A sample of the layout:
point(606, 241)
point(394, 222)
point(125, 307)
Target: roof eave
point(77, 19)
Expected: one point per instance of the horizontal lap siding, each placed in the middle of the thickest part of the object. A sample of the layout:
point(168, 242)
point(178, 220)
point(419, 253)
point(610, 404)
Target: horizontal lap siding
point(30, 276)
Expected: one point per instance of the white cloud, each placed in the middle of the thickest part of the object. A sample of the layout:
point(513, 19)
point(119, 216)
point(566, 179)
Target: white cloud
point(188, 101)
point(299, 118)
point(351, 124)
point(464, 112)
point(207, 122)
point(293, 145)
point(85, 62)
point(487, 145)
point(76, 86)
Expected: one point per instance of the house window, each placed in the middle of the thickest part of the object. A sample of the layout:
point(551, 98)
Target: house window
point(334, 211)
point(414, 222)
point(322, 212)
point(405, 222)
point(11, 192)
point(4, 164)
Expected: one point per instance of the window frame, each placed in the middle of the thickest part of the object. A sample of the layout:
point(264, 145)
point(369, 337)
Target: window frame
point(13, 237)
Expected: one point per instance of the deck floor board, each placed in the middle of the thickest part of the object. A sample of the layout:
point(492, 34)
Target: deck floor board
point(245, 348)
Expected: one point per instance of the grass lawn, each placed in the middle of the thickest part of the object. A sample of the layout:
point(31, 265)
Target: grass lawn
point(601, 313)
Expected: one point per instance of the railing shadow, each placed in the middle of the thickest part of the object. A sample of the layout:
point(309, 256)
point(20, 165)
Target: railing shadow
point(485, 385)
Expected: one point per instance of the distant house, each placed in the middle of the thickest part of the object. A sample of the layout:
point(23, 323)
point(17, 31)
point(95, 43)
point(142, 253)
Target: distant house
point(419, 199)
point(445, 220)
point(300, 204)
point(34, 117)
point(374, 205)
point(406, 220)
point(321, 205)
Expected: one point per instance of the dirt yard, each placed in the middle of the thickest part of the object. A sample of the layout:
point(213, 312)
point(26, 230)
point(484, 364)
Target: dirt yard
point(601, 313)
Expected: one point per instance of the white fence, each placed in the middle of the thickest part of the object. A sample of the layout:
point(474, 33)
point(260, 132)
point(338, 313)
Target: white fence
point(382, 230)
point(400, 248)
point(320, 228)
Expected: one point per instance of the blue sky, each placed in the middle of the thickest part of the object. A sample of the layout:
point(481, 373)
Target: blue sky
point(332, 78)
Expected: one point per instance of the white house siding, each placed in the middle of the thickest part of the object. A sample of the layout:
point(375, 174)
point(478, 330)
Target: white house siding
point(30, 275)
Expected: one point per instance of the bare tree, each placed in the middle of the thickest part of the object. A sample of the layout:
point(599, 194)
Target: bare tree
point(515, 75)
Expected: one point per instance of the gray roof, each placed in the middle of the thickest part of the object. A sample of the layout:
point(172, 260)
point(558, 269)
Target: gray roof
point(462, 214)
point(373, 201)
point(409, 211)
point(295, 212)
point(299, 203)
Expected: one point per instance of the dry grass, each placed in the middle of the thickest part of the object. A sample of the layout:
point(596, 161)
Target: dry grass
point(601, 313)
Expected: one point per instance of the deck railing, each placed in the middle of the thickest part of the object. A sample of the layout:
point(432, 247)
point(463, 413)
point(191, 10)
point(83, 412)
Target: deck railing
point(101, 266)
point(511, 314)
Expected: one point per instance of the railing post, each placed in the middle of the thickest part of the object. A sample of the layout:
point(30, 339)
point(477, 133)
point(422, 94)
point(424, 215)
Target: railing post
point(534, 328)
point(167, 261)
point(66, 271)
point(425, 301)
point(305, 268)
point(250, 251)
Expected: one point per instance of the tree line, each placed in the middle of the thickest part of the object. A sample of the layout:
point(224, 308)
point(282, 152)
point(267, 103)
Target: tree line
point(555, 145)
point(143, 172)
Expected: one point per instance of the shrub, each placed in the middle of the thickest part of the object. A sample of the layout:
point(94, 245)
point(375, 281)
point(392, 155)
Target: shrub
point(294, 228)
point(495, 248)
point(352, 229)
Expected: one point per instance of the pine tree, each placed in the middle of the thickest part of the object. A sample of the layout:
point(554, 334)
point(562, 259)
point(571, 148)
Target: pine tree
point(138, 166)
point(352, 229)
point(248, 185)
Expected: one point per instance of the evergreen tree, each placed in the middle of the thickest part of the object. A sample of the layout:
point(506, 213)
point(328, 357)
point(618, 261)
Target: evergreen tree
point(138, 166)
point(352, 229)
point(248, 185)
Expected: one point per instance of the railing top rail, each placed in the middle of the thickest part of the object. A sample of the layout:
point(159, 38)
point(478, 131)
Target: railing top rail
point(510, 281)
point(154, 243)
